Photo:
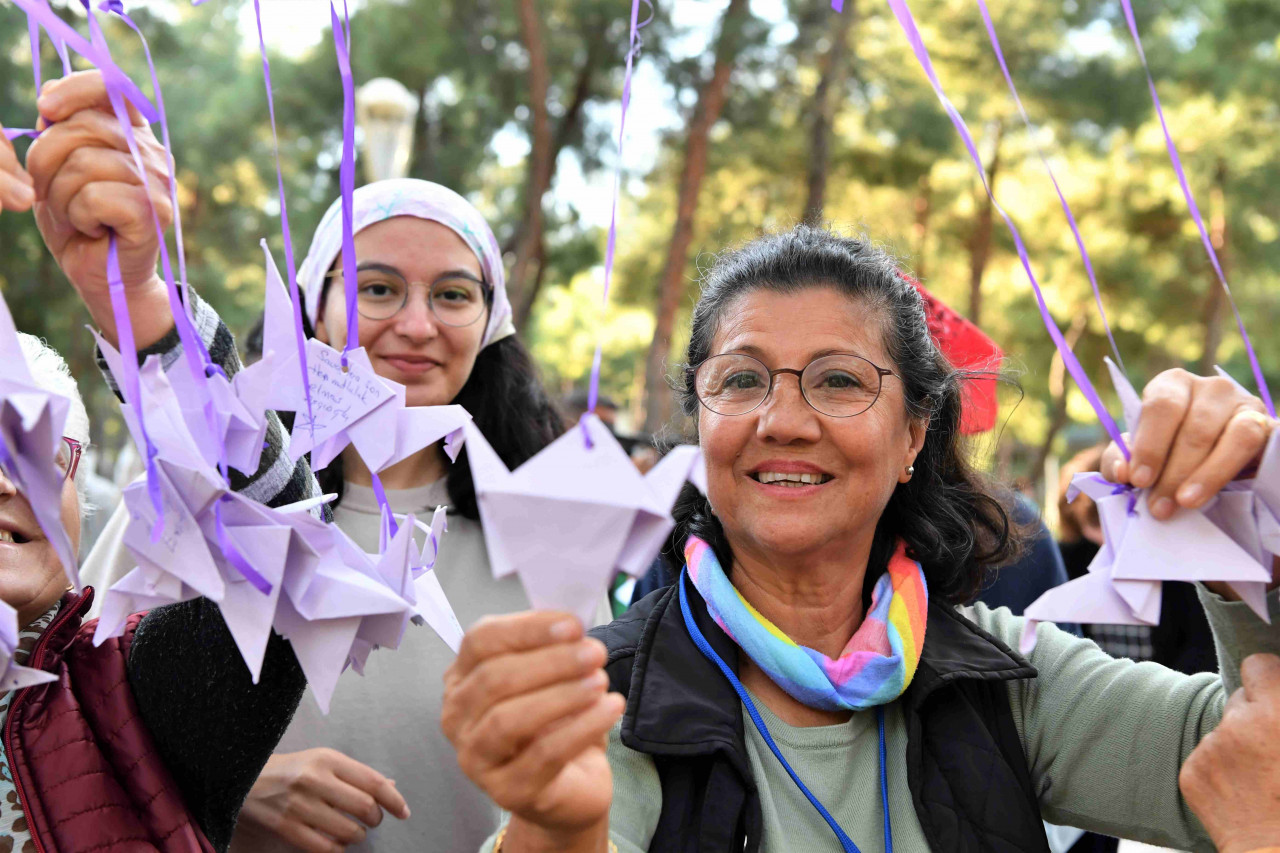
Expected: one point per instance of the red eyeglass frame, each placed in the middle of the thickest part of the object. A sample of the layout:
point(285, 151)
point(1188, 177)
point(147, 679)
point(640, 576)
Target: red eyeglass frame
point(76, 450)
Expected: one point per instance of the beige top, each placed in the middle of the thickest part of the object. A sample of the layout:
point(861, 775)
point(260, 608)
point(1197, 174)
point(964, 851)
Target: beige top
point(390, 718)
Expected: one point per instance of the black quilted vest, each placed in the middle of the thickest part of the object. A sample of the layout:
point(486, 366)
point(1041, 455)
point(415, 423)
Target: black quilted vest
point(965, 765)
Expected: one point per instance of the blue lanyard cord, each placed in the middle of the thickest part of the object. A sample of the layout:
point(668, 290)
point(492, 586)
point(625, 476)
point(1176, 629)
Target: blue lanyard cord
point(846, 843)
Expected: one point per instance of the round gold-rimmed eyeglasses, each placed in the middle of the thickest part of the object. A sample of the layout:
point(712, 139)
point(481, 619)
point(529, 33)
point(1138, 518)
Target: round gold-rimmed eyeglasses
point(839, 385)
point(382, 292)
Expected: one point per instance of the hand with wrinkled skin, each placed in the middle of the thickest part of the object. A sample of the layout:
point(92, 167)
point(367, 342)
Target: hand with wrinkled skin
point(526, 708)
point(86, 185)
point(1196, 435)
point(319, 801)
point(1232, 778)
point(16, 191)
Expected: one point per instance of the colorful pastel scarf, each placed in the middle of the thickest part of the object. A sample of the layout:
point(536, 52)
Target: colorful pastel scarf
point(421, 199)
point(875, 667)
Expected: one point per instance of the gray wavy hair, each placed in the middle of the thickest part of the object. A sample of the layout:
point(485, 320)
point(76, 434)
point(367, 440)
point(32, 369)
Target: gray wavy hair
point(50, 371)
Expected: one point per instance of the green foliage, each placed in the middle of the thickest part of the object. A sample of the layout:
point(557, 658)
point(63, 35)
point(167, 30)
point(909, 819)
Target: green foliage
point(896, 169)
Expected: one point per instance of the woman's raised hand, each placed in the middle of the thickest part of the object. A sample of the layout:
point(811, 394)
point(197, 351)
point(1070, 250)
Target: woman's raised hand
point(87, 184)
point(526, 707)
point(16, 192)
point(1196, 435)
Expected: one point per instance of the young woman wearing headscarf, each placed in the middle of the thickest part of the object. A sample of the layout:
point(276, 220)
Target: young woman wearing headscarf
point(434, 317)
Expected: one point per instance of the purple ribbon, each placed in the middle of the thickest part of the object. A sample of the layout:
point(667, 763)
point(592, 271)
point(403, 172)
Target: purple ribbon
point(131, 386)
point(1066, 208)
point(347, 182)
point(62, 33)
point(119, 89)
point(33, 33)
point(347, 176)
point(907, 22)
point(1263, 390)
point(295, 297)
point(191, 340)
point(381, 494)
point(633, 51)
point(232, 553)
point(12, 133)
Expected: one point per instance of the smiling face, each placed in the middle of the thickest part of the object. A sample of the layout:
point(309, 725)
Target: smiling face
point(31, 575)
point(846, 468)
point(432, 360)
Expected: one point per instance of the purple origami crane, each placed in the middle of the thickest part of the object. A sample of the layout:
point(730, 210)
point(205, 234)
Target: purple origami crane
point(265, 568)
point(13, 676)
point(1231, 539)
point(575, 514)
point(349, 404)
point(31, 424)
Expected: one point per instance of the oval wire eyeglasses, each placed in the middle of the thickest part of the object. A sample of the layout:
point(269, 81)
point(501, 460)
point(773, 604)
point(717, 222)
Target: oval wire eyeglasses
point(382, 292)
point(838, 385)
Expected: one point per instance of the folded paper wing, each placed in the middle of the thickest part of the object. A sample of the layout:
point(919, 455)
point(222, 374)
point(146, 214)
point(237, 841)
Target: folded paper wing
point(12, 675)
point(1231, 540)
point(567, 520)
point(265, 568)
point(32, 421)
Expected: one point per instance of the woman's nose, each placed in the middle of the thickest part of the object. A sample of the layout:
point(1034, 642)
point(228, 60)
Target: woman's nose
point(7, 486)
point(415, 321)
point(786, 415)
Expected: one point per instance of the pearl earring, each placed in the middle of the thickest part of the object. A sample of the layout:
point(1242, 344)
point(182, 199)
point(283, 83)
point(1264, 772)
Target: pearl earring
point(911, 470)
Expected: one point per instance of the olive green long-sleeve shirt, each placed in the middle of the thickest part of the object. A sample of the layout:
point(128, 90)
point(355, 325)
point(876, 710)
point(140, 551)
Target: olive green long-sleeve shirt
point(1104, 740)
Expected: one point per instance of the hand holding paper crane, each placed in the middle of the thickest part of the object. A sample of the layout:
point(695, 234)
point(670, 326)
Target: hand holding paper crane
point(1228, 536)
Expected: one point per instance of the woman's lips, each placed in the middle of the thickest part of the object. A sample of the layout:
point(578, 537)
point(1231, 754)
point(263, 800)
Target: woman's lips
point(411, 365)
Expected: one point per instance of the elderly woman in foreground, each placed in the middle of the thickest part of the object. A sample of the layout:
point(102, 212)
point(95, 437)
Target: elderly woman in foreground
point(814, 681)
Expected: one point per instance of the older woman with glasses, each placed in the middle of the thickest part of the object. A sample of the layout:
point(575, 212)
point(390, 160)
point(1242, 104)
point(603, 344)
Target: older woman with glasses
point(815, 679)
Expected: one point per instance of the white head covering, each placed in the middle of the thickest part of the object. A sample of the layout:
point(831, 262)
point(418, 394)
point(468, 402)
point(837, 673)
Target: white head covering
point(409, 197)
point(51, 373)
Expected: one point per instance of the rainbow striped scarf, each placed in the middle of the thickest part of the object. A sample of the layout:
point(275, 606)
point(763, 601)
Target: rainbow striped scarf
point(875, 667)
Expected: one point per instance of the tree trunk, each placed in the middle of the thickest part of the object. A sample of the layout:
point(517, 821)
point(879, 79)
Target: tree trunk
point(980, 239)
point(569, 123)
point(1058, 393)
point(920, 231)
point(711, 98)
point(826, 99)
point(1215, 298)
point(420, 164)
point(540, 158)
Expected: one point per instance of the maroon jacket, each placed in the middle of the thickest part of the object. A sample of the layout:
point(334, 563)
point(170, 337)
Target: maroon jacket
point(84, 764)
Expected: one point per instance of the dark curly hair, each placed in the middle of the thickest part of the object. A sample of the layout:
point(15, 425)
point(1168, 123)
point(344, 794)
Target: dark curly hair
point(507, 402)
point(947, 513)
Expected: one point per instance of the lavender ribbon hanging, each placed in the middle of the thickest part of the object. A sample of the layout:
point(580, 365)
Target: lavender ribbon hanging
point(347, 176)
point(119, 91)
point(634, 44)
point(347, 182)
point(295, 296)
point(908, 24)
point(1174, 158)
point(1062, 199)
point(130, 385)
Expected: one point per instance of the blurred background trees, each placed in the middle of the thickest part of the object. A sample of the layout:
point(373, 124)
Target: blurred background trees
point(748, 115)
